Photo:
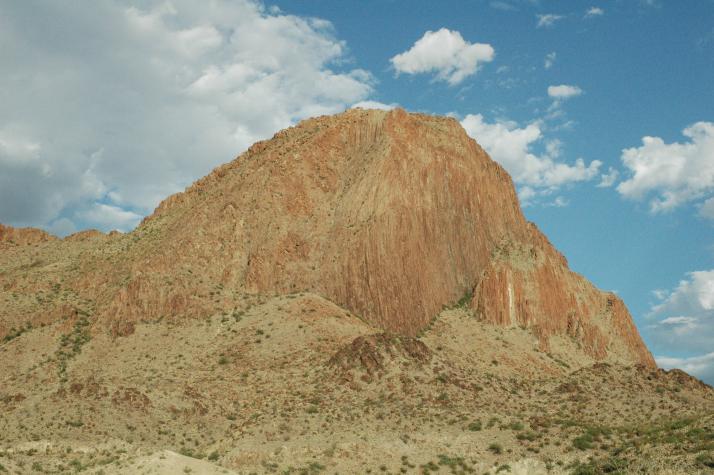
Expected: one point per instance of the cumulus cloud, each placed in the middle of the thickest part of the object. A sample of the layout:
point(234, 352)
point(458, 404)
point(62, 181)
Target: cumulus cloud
point(445, 53)
point(549, 60)
point(671, 174)
point(547, 20)
point(594, 12)
point(693, 296)
point(536, 174)
point(108, 108)
point(683, 321)
point(564, 91)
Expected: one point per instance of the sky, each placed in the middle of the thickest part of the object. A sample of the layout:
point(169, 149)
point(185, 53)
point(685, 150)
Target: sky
point(601, 111)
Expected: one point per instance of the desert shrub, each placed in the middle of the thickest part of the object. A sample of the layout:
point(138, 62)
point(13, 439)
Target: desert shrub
point(475, 426)
point(517, 425)
point(449, 461)
point(591, 434)
point(496, 448)
point(611, 465)
point(583, 442)
point(465, 299)
point(705, 460)
point(529, 436)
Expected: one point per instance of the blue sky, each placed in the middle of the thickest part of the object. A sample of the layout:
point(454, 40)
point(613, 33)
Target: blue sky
point(602, 111)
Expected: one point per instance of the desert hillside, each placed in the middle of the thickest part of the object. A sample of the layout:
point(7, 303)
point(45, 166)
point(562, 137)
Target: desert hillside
point(359, 294)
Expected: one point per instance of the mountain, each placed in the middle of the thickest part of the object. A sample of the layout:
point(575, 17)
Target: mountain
point(388, 214)
point(313, 303)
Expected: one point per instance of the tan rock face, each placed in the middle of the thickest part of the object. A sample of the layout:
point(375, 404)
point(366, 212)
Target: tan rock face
point(388, 214)
point(23, 236)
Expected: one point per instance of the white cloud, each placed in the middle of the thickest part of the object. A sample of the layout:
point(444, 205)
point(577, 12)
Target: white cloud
point(684, 317)
point(683, 322)
point(160, 95)
point(700, 366)
point(511, 146)
point(692, 296)
point(608, 179)
point(549, 60)
point(594, 12)
point(671, 174)
point(679, 321)
point(111, 217)
point(445, 53)
point(564, 91)
point(374, 105)
point(547, 20)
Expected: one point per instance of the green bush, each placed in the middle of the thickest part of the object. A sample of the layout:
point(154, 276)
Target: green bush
point(496, 448)
point(475, 426)
point(583, 442)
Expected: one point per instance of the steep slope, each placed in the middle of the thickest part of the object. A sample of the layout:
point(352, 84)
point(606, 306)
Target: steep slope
point(388, 214)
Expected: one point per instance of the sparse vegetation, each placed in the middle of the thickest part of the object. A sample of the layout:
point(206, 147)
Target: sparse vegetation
point(16, 332)
point(71, 344)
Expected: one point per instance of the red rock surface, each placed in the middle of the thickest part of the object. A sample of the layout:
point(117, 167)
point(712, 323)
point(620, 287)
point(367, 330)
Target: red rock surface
point(388, 214)
point(528, 284)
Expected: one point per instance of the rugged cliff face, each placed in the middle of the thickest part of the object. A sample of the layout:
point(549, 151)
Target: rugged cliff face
point(388, 214)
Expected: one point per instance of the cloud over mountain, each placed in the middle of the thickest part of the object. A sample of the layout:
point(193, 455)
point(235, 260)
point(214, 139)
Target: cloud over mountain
point(150, 98)
point(445, 53)
point(511, 146)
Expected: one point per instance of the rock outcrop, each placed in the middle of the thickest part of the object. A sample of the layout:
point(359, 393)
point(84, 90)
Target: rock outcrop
point(23, 236)
point(389, 214)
